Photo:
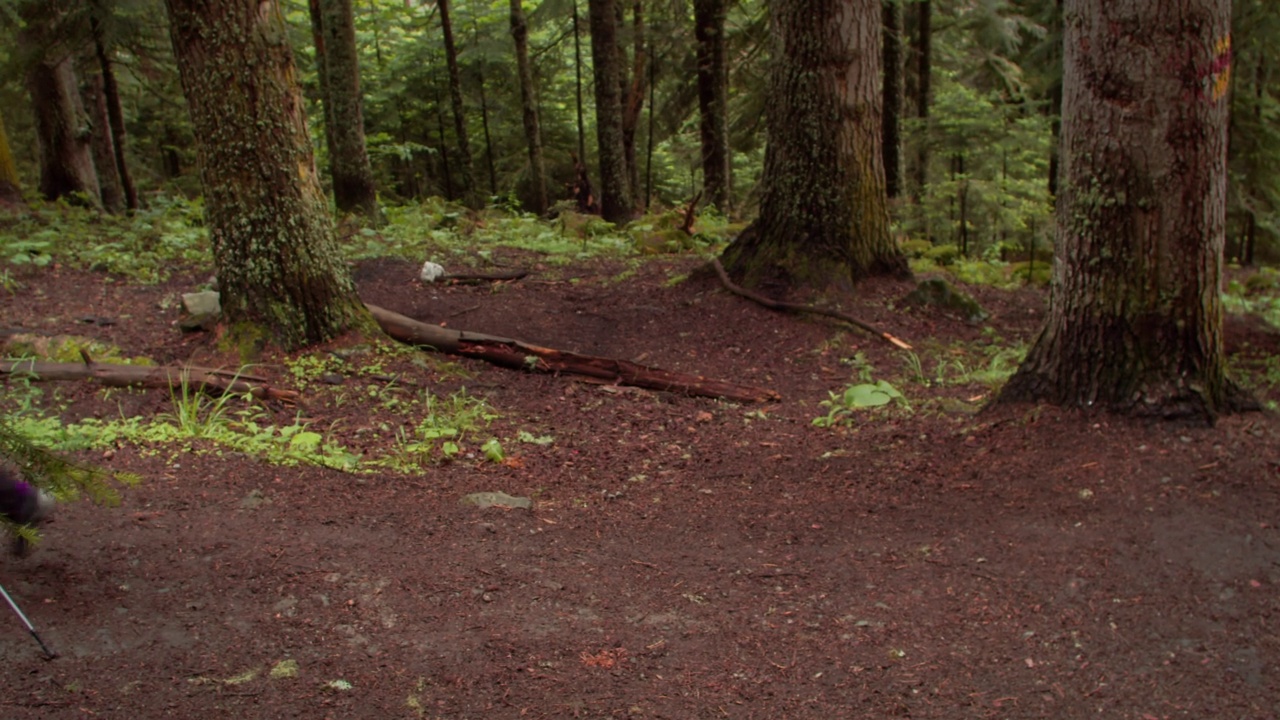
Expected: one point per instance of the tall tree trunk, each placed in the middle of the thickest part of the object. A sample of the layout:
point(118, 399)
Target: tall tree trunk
point(466, 176)
point(1055, 109)
point(633, 98)
point(103, 150)
point(354, 190)
point(892, 102)
point(824, 219)
point(10, 183)
point(115, 115)
point(577, 77)
point(615, 200)
point(62, 128)
point(280, 271)
point(713, 101)
point(529, 109)
point(1135, 319)
point(923, 52)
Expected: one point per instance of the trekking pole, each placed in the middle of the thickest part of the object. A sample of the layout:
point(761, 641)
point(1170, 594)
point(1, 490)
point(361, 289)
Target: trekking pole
point(49, 654)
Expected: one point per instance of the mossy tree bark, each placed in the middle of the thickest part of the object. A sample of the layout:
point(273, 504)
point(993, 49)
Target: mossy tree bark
point(824, 219)
point(278, 263)
point(354, 190)
point(615, 199)
point(1135, 320)
point(529, 109)
point(713, 101)
point(62, 127)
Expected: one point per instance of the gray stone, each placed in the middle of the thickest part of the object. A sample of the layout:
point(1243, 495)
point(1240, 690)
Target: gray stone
point(200, 310)
point(496, 499)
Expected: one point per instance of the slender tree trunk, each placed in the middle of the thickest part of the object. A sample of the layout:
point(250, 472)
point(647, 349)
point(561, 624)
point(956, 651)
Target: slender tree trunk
point(115, 116)
point(62, 128)
point(466, 176)
point(577, 76)
point(923, 52)
point(824, 219)
point(529, 109)
point(354, 190)
point(488, 139)
point(892, 102)
point(100, 145)
point(1055, 112)
point(10, 183)
point(615, 200)
point(713, 101)
point(281, 274)
point(633, 103)
point(1135, 319)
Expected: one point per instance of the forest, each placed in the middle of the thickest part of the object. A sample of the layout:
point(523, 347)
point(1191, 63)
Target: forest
point(774, 358)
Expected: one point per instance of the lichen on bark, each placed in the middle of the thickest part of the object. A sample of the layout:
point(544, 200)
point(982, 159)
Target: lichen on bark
point(275, 249)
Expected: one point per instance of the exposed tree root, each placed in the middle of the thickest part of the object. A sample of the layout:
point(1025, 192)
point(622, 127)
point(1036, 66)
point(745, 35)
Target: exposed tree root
point(799, 307)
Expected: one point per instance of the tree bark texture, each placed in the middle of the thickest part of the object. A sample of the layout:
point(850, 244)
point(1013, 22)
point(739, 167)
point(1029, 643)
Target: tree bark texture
point(466, 173)
point(633, 97)
point(62, 128)
point(713, 101)
point(891, 123)
point(278, 264)
point(10, 183)
point(1135, 320)
point(824, 219)
point(529, 109)
point(354, 190)
point(115, 116)
point(923, 51)
point(94, 95)
point(615, 199)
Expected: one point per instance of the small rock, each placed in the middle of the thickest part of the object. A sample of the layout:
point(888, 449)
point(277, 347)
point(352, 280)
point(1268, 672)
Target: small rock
point(431, 272)
point(200, 310)
point(254, 500)
point(484, 500)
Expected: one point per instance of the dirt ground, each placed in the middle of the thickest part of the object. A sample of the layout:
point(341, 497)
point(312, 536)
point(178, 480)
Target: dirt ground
point(683, 558)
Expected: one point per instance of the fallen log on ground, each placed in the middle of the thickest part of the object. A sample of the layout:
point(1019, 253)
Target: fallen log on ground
point(517, 354)
point(799, 307)
point(210, 380)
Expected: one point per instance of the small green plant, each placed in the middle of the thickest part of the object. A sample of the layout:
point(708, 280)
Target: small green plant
point(843, 406)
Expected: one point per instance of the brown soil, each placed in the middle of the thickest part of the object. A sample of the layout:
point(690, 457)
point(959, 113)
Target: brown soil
point(684, 558)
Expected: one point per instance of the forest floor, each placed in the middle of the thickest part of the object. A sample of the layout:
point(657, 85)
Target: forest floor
point(683, 557)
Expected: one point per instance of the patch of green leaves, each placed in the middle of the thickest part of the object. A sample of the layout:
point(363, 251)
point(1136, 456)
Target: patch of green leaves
point(843, 407)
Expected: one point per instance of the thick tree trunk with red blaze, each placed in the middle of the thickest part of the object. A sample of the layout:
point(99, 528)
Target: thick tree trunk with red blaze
point(824, 219)
point(279, 268)
point(1135, 321)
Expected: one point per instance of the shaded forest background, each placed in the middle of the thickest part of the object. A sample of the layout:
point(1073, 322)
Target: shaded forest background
point(970, 131)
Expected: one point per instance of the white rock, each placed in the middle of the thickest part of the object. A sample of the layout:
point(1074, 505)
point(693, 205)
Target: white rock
point(431, 272)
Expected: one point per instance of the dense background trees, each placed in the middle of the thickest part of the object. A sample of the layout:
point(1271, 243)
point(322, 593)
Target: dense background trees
point(979, 81)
